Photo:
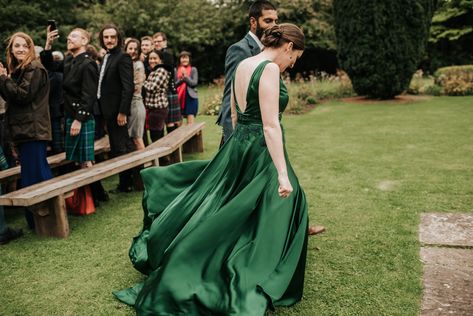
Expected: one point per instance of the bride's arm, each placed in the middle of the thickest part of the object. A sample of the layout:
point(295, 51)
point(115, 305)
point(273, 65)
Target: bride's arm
point(269, 104)
point(233, 109)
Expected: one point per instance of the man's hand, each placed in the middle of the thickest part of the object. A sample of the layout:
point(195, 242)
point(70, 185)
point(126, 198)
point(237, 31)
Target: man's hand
point(75, 128)
point(51, 36)
point(121, 119)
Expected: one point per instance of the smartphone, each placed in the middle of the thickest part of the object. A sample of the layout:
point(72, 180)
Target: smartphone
point(52, 25)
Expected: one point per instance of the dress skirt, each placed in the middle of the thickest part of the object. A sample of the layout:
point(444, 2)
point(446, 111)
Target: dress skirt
point(191, 106)
point(217, 239)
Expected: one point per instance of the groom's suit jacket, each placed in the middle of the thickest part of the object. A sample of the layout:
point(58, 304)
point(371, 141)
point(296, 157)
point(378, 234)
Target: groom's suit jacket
point(245, 48)
point(117, 85)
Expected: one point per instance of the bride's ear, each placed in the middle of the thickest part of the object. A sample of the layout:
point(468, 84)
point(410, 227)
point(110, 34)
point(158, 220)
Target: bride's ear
point(290, 46)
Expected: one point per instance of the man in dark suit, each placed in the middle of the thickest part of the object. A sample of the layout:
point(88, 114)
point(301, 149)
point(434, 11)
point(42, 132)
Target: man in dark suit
point(115, 91)
point(263, 15)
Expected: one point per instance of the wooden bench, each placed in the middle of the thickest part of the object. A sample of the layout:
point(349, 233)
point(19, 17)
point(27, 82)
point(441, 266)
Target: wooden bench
point(47, 199)
point(100, 146)
point(185, 139)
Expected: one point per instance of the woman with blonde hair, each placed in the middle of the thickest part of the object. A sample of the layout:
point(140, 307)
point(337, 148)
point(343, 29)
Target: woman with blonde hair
point(229, 236)
point(26, 91)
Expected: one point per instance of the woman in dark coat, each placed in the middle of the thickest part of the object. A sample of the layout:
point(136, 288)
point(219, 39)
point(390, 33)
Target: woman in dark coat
point(26, 91)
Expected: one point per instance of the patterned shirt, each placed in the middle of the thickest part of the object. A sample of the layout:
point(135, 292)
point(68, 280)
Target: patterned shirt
point(156, 87)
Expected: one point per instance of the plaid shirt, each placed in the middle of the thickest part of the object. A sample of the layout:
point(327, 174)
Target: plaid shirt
point(156, 87)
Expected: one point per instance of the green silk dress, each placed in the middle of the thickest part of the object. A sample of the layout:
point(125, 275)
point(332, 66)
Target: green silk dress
point(217, 239)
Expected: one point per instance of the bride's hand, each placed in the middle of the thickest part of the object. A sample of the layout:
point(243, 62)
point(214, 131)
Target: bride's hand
point(285, 187)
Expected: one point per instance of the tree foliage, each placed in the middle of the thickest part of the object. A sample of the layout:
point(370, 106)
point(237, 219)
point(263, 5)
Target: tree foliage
point(380, 43)
point(204, 27)
point(451, 34)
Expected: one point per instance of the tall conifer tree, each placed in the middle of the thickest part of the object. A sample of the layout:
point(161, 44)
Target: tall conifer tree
point(381, 43)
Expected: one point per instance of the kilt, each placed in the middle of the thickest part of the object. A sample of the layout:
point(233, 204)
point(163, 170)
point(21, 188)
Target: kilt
point(174, 109)
point(80, 148)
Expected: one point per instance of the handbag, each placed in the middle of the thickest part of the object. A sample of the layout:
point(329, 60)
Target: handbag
point(81, 202)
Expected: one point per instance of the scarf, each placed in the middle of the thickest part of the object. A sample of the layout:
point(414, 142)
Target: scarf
point(181, 90)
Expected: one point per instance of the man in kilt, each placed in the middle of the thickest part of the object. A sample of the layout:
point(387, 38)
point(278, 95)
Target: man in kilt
point(80, 91)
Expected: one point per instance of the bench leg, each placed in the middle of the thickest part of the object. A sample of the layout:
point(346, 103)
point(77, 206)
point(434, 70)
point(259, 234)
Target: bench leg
point(51, 218)
point(176, 156)
point(195, 144)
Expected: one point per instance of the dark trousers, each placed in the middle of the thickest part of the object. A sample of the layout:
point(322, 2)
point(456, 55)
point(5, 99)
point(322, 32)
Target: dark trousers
point(120, 144)
point(34, 168)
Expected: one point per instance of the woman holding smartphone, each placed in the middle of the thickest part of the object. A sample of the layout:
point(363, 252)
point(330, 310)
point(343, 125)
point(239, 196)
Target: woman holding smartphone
point(26, 91)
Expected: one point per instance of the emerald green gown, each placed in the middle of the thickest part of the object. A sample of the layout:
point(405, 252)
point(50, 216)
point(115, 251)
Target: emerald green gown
point(217, 239)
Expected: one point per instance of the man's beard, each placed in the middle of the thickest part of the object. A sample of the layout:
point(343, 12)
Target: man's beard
point(74, 49)
point(259, 31)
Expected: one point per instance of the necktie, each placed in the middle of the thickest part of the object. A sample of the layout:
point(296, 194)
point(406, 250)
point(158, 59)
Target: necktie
point(102, 72)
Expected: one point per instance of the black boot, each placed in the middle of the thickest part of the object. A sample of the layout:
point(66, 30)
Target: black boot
point(98, 192)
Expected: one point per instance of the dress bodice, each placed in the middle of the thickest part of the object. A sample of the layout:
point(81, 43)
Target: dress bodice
point(252, 113)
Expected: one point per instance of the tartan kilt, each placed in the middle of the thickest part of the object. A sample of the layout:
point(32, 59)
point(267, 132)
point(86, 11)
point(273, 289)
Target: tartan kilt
point(174, 109)
point(80, 148)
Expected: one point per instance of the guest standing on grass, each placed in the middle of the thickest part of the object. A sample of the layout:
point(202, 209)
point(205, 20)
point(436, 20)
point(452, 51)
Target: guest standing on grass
point(146, 48)
point(136, 120)
point(156, 100)
point(26, 91)
point(262, 15)
point(56, 106)
point(174, 112)
point(80, 90)
point(115, 92)
point(187, 78)
point(7, 234)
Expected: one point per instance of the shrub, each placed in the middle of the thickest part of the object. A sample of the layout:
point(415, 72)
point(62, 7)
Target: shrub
point(320, 86)
point(432, 89)
point(425, 85)
point(380, 43)
point(212, 107)
point(455, 80)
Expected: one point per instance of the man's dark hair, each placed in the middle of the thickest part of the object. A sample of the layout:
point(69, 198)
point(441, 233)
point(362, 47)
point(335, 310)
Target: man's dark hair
point(119, 35)
point(257, 7)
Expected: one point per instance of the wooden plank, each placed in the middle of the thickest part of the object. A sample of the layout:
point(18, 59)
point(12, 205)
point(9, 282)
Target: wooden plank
point(170, 145)
point(53, 221)
point(48, 189)
point(100, 146)
point(179, 136)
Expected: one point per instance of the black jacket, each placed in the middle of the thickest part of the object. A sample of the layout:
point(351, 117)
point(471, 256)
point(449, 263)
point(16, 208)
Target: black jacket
point(27, 97)
point(56, 101)
point(79, 83)
point(117, 85)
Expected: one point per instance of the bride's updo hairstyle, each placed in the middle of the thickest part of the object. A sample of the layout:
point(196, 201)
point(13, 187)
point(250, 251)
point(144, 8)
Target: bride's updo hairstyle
point(280, 34)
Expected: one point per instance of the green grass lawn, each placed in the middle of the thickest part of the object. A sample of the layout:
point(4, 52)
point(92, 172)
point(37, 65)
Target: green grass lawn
point(368, 171)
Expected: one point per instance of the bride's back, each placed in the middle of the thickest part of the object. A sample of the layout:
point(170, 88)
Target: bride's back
point(243, 75)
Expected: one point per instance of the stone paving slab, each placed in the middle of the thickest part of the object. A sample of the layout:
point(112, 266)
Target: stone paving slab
point(448, 281)
point(451, 229)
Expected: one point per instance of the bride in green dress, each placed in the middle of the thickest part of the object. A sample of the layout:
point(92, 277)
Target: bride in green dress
point(229, 236)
